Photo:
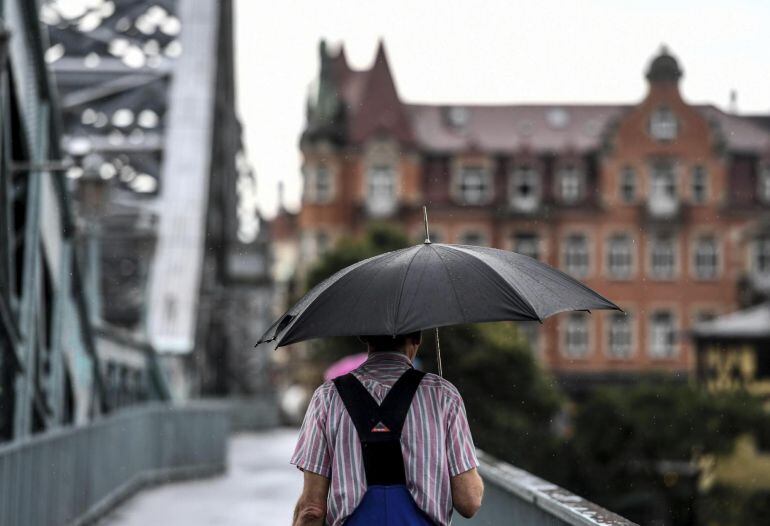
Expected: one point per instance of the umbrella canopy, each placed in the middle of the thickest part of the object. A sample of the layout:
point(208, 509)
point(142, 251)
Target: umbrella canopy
point(432, 285)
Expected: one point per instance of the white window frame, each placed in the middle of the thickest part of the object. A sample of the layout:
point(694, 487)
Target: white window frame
point(576, 335)
point(483, 237)
point(583, 271)
point(653, 246)
point(628, 175)
point(763, 183)
point(531, 202)
point(313, 193)
point(697, 268)
point(611, 270)
point(664, 126)
point(485, 192)
point(699, 172)
point(658, 347)
point(761, 253)
point(571, 183)
point(629, 350)
point(518, 238)
point(381, 205)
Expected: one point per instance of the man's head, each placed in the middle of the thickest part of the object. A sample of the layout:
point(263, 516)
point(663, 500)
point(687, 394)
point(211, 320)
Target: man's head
point(402, 343)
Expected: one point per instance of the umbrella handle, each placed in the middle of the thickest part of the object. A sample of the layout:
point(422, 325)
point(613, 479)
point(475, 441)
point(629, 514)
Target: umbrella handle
point(438, 355)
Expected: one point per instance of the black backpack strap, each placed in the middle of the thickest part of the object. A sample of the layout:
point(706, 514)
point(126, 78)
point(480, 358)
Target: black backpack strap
point(361, 407)
point(379, 426)
point(397, 402)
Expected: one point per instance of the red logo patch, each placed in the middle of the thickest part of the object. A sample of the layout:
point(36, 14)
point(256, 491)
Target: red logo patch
point(380, 428)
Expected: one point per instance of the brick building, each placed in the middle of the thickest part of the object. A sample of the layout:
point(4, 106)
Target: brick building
point(661, 205)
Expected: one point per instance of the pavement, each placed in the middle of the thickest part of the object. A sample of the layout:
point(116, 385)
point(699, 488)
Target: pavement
point(260, 488)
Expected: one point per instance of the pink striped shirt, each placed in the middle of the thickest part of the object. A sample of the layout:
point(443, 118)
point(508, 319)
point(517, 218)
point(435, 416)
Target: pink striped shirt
point(436, 441)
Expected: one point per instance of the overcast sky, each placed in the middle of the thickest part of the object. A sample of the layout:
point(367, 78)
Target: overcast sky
point(488, 51)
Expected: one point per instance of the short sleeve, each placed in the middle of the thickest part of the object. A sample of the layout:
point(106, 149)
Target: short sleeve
point(461, 453)
point(312, 450)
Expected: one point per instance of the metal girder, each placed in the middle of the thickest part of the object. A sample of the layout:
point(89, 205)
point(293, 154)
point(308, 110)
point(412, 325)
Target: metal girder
point(112, 87)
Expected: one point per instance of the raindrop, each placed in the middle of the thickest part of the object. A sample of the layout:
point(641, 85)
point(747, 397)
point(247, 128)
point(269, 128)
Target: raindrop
point(118, 46)
point(88, 117)
point(101, 120)
point(76, 172)
point(54, 53)
point(147, 119)
point(145, 25)
point(156, 13)
point(92, 60)
point(70, 9)
point(171, 26)
point(107, 9)
point(122, 117)
point(115, 137)
point(134, 58)
point(49, 15)
point(173, 49)
point(144, 183)
point(151, 47)
point(107, 171)
point(123, 25)
point(89, 22)
point(127, 174)
point(78, 146)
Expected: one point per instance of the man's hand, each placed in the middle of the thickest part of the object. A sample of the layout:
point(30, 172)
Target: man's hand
point(311, 506)
point(467, 492)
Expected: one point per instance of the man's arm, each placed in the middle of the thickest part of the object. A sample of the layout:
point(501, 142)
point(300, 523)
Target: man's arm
point(311, 506)
point(467, 492)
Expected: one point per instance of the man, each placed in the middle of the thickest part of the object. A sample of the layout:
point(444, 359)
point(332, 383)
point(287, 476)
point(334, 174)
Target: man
point(386, 445)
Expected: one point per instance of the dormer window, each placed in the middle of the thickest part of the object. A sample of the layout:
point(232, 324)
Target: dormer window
point(524, 191)
point(570, 184)
point(663, 124)
point(474, 185)
point(763, 190)
point(381, 190)
point(457, 116)
point(319, 184)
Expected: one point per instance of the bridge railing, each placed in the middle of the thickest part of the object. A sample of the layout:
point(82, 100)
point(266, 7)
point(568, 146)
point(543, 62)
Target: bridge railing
point(514, 496)
point(74, 475)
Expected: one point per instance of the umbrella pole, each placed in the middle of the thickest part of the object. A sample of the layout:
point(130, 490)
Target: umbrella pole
point(438, 344)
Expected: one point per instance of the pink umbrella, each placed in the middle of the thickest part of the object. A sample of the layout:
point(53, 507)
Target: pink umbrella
point(345, 365)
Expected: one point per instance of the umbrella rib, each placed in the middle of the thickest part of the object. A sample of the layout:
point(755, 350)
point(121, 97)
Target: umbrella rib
point(401, 291)
point(451, 282)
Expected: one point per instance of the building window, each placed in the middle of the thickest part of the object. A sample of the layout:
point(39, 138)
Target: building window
point(524, 191)
point(576, 255)
point(662, 335)
point(620, 257)
point(663, 257)
point(699, 185)
point(570, 181)
point(619, 335)
point(576, 335)
point(762, 255)
point(527, 244)
point(381, 190)
point(474, 185)
point(706, 258)
point(764, 183)
point(318, 184)
point(457, 116)
point(663, 181)
point(321, 242)
point(473, 237)
point(628, 185)
point(663, 124)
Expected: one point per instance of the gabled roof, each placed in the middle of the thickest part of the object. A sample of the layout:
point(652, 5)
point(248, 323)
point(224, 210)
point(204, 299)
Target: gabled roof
point(372, 106)
point(379, 109)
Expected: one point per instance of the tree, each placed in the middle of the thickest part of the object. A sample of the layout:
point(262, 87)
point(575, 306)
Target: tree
point(635, 450)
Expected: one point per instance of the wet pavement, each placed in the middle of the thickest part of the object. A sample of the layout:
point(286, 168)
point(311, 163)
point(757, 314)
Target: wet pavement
point(259, 489)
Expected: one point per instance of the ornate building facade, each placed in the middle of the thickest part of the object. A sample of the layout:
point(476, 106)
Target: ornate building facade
point(661, 205)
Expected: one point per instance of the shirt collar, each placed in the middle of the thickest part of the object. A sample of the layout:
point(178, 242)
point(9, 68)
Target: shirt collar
point(380, 357)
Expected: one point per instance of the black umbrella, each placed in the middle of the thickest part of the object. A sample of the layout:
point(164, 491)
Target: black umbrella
point(428, 286)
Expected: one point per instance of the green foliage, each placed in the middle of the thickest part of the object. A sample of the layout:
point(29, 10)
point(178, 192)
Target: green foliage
point(511, 404)
point(632, 448)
